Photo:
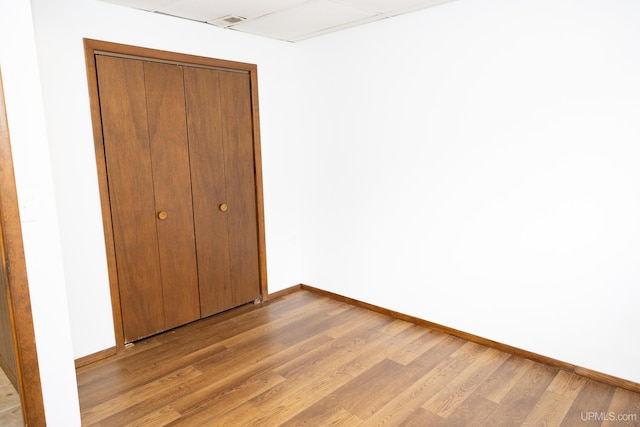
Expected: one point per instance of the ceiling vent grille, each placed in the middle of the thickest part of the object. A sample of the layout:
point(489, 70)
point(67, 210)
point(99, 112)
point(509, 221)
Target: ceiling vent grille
point(227, 21)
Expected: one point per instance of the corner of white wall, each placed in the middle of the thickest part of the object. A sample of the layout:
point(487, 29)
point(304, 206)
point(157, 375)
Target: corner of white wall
point(38, 214)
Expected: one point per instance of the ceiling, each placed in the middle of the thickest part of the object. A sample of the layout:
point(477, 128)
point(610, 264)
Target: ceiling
point(289, 20)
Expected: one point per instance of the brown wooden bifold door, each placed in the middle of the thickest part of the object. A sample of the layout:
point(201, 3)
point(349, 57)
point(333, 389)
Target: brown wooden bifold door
point(223, 187)
point(147, 156)
point(178, 144)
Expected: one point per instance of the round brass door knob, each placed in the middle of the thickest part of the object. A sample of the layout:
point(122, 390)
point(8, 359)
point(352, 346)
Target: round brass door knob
point(223, 207)
point(162, 215)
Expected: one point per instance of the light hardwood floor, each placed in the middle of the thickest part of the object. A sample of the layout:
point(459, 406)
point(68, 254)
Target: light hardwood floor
point(10, 409)
point(305, 359)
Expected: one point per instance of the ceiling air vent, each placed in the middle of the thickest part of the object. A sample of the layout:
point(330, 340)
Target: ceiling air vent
point(227, 21)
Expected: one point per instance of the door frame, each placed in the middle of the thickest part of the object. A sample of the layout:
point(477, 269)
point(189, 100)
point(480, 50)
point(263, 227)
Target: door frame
point(18, 297)
point(93, 47)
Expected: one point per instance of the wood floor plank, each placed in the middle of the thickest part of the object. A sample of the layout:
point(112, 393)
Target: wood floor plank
point(341, 418)
point(473, 411)
point(426, 366)
point(129, 380)
point(154, 357)
point(12, 417)
point(496, 387)
point(624, 410)
point(331, 367)
point(206, 406)
point(346, 367)
point(284, 401)
point(404, 404)
point(9, 397)
point(424, 340)
point(421, 418)
point(433, 355)
point(567, 384)
point(338, 351)
point(140, 395)
point(330, 416)
point(10, 405)
point(354, 319)
point(549, 411)
point(300, 303)
point(188, 350)
point(319, 413)
point(305, 359)
point(159, 418)
point(214, 383)
point(297, 325)
point(590, 405)
point(232, 357)
point(469, 352)
point(309, 377)
point(522, 398)
point(462, 386)
point(394, 376)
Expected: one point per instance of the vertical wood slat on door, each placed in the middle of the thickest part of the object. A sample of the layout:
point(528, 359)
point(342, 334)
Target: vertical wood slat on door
point(172, 188)
point(237, 136)
point(222, 170)
point(202, 87)
point(128, 158)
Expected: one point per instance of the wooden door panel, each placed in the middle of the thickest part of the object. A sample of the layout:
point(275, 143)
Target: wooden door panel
point(237, 137)
point(207, 183)
point(172, 188)
point(128, 160)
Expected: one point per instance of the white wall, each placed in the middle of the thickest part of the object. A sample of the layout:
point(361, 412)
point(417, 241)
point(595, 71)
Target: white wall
point(476, 165)
point(60, 29)
point(38, 213)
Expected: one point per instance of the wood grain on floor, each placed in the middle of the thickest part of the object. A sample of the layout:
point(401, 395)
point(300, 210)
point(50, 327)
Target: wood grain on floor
point(10, 408)
point(304, 359)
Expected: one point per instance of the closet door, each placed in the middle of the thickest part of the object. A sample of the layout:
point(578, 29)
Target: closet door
point(166, 117)
point(224, 190)
point(146, 151)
